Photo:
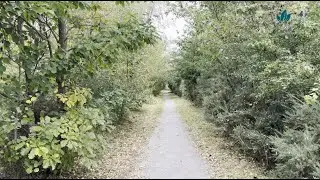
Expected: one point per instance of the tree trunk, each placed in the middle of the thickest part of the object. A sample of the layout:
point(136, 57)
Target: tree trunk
point(63, 47)
point(37, 105)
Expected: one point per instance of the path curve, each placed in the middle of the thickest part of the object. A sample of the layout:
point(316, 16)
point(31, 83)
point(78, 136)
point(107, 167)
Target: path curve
point(171, 153)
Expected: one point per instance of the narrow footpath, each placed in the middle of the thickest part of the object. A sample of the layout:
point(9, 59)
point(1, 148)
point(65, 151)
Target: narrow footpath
point(171, 152)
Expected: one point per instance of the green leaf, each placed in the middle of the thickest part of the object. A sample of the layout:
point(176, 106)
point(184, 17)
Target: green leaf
point(32, 153)
point(29, 170)
point(63, 143)
point(28, 102)
point(20, 145)
point(25, 151)
point(53, 70)
point(36, 128)
point(91, 135)
point(44, 149)
point(37, 151)
point(53, 165)
point(36, 170)
point(23, 138)
point(36, 164)
point(18, 109)
point(56, 156)
point(45, 164)
point(70, 145)
point(56, 132)
point(33, 99)
point(70, 103)
point(2, 68)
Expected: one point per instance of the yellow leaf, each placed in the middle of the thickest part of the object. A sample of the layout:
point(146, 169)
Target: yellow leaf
point(70, 104)
point(64, 99)
point(33, 99)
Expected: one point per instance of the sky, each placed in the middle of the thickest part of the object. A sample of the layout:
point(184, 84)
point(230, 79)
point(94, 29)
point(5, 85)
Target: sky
point(168, 24)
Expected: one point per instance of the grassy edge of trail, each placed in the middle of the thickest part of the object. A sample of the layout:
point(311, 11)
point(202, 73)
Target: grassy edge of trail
point(126, 143)
point(222, 161)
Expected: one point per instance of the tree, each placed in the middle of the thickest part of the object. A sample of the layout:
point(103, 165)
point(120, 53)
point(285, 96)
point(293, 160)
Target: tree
point(47, 48)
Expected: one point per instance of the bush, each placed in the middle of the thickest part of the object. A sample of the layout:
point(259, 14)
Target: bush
point(297, 149)
point(245, 77)
point(158, 85)
point(174, 86)
point(57, 142)
point(117, 102)
point(253, 143)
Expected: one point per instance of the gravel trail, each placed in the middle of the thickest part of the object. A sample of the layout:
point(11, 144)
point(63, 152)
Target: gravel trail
point(171, 153)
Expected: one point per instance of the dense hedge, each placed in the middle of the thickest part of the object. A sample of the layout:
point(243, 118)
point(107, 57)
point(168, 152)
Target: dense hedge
point(257, 78)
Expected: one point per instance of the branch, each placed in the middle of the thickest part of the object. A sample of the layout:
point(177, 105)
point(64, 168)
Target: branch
point(52, 31)
point(35, 29)
point(50, 48)
point(49, 44)
point(70, 29)
point(34, 70)
point(71, 49)
point(8, 97)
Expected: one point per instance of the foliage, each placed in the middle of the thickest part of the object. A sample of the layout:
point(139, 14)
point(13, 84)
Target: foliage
point(62, 81)
point(158, 85)
point(243, 67)
point(55, 142)
point(297, 148)
point(174, 85)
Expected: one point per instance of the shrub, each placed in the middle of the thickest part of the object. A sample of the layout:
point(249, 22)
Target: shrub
point(253, 143)
point(174, 86)
point(57, 142)
point(158, 86)
point(297, 148)
point(244, 78)
point(117, 103)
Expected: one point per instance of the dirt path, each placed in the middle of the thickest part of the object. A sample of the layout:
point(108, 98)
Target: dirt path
point(170, 152)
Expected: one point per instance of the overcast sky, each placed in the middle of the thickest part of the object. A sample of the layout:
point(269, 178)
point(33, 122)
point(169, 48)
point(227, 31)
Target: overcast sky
point(168, 25)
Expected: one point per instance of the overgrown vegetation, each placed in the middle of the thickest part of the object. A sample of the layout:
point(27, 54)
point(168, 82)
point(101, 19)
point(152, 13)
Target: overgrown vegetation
point(257, 78)
point(70, 71)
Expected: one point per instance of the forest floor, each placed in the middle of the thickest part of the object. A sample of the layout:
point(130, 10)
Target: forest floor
point(169, 138)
